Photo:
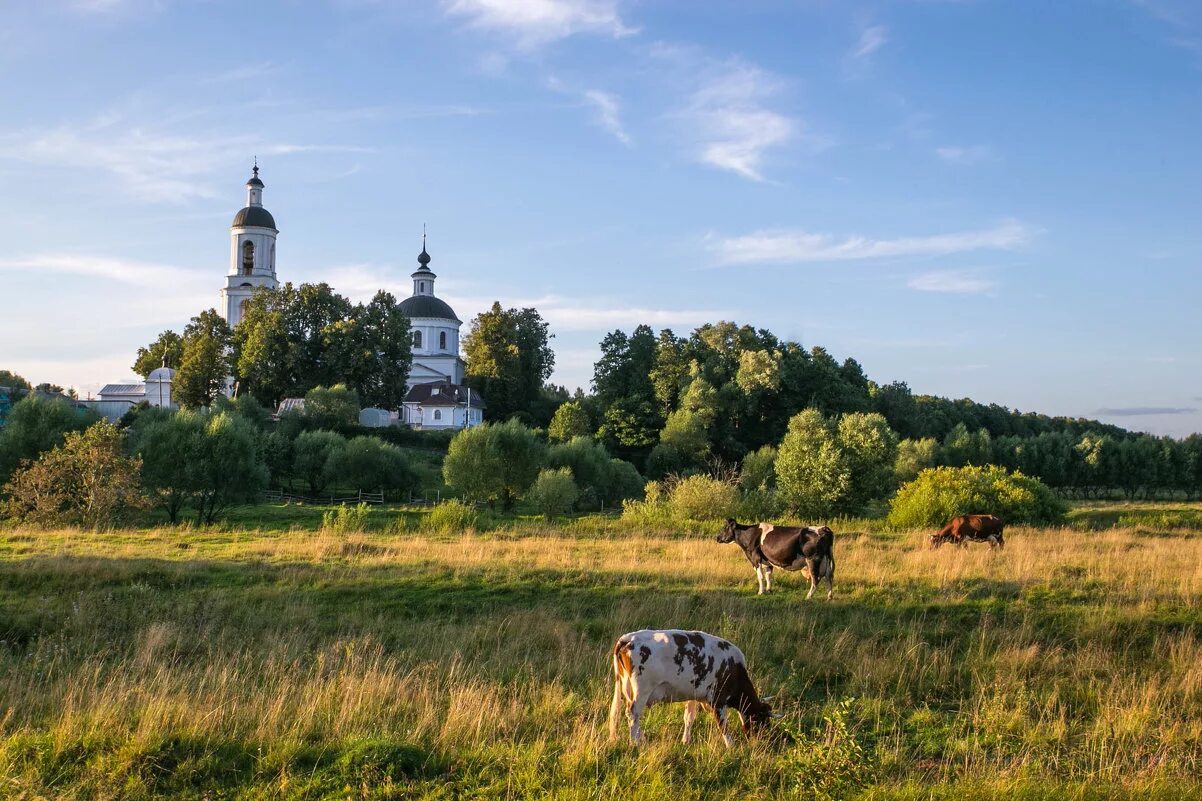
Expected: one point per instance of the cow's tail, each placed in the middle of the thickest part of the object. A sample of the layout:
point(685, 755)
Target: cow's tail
point(622, 668)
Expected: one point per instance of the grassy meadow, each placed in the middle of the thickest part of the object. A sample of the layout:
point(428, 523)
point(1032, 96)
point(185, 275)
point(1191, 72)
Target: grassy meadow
point(270, 659)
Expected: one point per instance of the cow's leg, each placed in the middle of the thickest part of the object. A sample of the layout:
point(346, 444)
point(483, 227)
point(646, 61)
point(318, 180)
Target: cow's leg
point(634, 713)
point(759, 577)
point(690, 714)
point(812, 570)
point(767, 578)
point(720, 715)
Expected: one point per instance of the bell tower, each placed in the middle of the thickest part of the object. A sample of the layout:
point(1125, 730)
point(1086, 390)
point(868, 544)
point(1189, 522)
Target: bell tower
point(252, 252)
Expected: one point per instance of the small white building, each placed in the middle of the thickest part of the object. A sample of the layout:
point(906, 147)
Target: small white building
point(442, 405)
point(116, 399)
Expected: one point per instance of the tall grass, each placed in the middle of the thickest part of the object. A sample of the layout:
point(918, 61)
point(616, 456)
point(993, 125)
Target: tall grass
point(204, 664)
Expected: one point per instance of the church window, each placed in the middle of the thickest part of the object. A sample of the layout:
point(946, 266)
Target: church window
point(248, 257)
point(442, 340)
point(417, 339)
point(438, 414)
point(272, 257)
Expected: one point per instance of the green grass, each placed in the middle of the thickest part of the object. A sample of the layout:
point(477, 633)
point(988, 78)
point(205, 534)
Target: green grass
point(268, 659)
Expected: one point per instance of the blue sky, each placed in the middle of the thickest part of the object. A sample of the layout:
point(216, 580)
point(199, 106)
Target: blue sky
point(994, 199)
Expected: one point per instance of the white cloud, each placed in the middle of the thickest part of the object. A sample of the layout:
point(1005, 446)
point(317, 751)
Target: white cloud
point(972, 154)
point(608, 110)
point(729, 118)
point(537, 22)
point(960, 282)
point(123, 271)
point(872, 39)
point(789, 247)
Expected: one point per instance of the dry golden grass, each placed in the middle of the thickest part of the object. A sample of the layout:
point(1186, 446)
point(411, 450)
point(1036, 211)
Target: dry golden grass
point(299, 664)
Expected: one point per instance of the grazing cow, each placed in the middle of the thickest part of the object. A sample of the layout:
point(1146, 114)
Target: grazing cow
point(977, 528)
point(666, 666)
point(789, 547)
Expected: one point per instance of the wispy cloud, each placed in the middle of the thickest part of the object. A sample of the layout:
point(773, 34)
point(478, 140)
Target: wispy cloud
point(153, 164)
point(532, 23)
point(730, 119)
point(961, 282)
point(124, 271)
point(1145, 411)
point(789, 247)
point(872, 39)
point(972, 154)
point(608, 111)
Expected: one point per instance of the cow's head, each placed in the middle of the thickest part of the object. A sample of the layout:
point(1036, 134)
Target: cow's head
point(757, 717)
point(936, 540)
point(728, 531)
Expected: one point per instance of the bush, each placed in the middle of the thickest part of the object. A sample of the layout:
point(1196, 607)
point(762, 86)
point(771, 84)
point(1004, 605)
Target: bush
point(345, 519)
point(941, 493)
point(570, 421)
point(366, 463)
point(494, 462)
point(554, 492)
point(87, 481)
point(35, 425)
point(313, 454)
point(600, 477)
point(758, 471)
point(333, 407)
point(452, 516)
point(703, 498)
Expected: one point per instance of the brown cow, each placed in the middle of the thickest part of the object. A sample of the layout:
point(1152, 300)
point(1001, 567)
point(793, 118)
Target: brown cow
point(977, 528)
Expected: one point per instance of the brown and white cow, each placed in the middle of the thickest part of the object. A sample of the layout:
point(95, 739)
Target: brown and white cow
point(659, 666)
point(975, 528)
point(806, 548)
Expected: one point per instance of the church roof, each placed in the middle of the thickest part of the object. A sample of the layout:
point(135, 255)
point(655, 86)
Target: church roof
point(427, 306)
point(442, 393)
point(122, 389)
point(255, 217)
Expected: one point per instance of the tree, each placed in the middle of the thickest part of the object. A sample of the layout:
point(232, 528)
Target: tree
point(553, 492)
point(206, 361)
point(335, 407)
point(914, 456)
point(12, 380)
point(811, 475)
point(167, 350)
point(369, 463)
point(508, 358)
point(375, 348)
point(87, 481)
point(869, 448)
point(313, 455)
point(168, 448)
point(37, 424)
point(670, 375)
point(759, 470)
point(227, 469)
point(600, 477)
point(570, 421)
point(494, 461)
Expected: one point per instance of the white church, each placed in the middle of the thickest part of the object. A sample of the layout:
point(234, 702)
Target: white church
point(435, 396)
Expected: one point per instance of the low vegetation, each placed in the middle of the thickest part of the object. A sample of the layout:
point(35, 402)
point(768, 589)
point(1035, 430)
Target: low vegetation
point(382, 657)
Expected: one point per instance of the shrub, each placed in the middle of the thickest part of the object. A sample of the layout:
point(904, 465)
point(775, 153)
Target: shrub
point(624, 482)
point(554, 492)
point(452, 516)
point(35, 425)
point(759, 470)
point(703, 498)
point(313, 453)
point(600, 477)
point(345, 519)
point(941, 493)
point(366, 463)
point(494, 461)
point(87, 481)
point(333, 407)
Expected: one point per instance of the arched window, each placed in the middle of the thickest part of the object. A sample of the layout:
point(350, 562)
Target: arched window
point(417, 339)
point(248, 257)
point(272, 262)
point(442, 340)
point(438, 414)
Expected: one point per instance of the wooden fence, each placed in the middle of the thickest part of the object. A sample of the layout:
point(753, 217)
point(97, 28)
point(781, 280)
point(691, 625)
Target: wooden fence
point(280, 496)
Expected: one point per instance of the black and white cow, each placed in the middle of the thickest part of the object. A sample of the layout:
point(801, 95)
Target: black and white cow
point(669, 665)
point(803, 548)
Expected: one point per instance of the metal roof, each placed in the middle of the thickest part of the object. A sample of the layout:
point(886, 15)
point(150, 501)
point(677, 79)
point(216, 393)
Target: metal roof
point(427, 306)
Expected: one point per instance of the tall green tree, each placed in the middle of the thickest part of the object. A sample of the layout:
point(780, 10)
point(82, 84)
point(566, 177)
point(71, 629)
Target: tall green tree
point(35, 425)
point(509, 358)
point(374, 346)
point(167, 350)
point(12, 380)
point(206, 363)
point(812, 477)
point(570, 420)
